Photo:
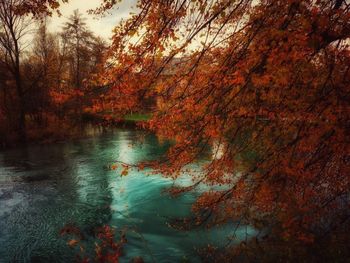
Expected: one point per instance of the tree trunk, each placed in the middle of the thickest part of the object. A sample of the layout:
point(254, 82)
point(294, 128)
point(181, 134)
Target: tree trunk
point(21, 118)
point(17, 74)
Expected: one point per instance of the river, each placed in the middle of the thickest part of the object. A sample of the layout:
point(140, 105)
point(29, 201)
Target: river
point(45, 187)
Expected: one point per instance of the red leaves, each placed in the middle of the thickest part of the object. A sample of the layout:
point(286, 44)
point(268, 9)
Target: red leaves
point(60, 97)
point(114, 166)
point(269, 79)
point(107, 250)
point(124, 168)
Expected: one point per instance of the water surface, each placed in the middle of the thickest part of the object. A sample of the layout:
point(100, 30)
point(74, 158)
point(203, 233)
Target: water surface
point(43, 188)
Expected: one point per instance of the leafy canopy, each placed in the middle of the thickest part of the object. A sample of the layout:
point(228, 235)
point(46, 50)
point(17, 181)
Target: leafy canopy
point(267, 82)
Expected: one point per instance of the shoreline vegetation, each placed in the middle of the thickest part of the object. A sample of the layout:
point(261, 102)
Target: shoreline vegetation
point(54, 130)
point(264, 84)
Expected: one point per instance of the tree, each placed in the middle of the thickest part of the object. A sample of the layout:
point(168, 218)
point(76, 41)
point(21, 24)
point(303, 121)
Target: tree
point(42, 73)
point(80, 40)
point(267, 81)
point(13, 29)
point(83, 56)
point(16, 16)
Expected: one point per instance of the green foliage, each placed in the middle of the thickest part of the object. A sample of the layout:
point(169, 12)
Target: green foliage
point(137, 117)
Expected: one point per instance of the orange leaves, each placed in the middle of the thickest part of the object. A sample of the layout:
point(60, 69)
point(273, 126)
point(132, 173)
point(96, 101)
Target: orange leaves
point(125, 171)
point(237, 79)
point(60, 97)
point(141, 166)
point(271, 83)
point(213, 126)
point(263, 80)
point(206, 200)
point(265, 198)
point(107, 249)
point(124, 168)
point(214, 133)
point(72, 242)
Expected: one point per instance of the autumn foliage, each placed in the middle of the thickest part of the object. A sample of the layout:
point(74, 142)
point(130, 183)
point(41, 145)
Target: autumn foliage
point(106, 250)
point(44, 85)
point(267, 83)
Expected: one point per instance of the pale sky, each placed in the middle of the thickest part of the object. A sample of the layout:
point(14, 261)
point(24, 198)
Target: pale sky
point(100, 26)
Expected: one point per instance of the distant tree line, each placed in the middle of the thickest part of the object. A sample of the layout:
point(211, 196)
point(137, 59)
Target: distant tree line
point(41, 70)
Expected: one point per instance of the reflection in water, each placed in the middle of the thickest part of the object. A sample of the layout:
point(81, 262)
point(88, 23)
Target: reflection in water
point(42, 188)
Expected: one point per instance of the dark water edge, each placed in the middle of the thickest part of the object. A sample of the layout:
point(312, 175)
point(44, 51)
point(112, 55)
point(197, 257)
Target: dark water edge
point(80, 130)
point(45, 187)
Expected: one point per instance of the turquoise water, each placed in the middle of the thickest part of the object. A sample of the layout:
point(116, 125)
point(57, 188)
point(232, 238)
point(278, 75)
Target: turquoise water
point(43, 188)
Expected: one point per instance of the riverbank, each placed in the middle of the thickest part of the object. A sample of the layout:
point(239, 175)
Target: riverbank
point(54, 130)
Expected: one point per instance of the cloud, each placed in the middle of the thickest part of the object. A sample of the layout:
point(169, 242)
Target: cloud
point(100, 26)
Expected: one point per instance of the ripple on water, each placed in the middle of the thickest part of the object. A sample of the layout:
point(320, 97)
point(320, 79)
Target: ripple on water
point(43, 188)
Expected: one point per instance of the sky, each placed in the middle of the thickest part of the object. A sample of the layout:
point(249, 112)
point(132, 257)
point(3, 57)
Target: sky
point(100, 26)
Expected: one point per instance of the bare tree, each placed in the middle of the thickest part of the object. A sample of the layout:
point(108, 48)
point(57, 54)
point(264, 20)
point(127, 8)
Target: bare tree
point(13, 28)
point(40, 72)
point(79, 40)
